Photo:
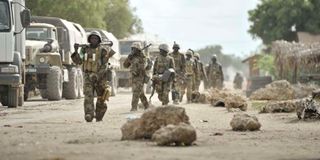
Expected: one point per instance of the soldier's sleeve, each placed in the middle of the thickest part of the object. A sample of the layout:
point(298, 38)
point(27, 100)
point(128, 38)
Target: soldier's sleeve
point(107, 52)
point(77, 58)
point(155, 66)
point(172, 65)
point(126, 63)
point(183, 63)
point(220, 68)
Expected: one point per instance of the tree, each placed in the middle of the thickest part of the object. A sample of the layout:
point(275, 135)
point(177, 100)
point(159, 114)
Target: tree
point(281, 19)
point(116, 16)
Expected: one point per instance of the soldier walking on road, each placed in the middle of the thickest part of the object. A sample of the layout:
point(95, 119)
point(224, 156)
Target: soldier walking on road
point(179, 62)
point(215, 73)
point(163, 74)
point(138, 68)
point(94, 59)
point(238, 80)
point(189, 74)
point(200, 73)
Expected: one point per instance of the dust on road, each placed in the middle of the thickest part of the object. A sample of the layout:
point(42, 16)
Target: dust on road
point(56, 130)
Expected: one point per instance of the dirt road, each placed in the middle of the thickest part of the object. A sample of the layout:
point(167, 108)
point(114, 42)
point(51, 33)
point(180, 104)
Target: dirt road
point(57, 131)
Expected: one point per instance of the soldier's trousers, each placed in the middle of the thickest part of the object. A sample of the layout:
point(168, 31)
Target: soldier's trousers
point(216, 83)
point(196, 85)
point(163, 90)
point(178, 87)
point(188, 85)
point(138, 93)
point(91, 86)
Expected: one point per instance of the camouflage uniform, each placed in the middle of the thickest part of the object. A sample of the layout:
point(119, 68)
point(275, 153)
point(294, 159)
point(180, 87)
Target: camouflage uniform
point(179, 62)
point(162, 64)
point(237, 82)
point(200, 74)
point(94, 60)
point(215, 74)
point(138, 64)
point(189, 74)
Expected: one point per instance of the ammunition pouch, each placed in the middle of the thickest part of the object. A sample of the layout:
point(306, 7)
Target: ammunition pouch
point(168, 75)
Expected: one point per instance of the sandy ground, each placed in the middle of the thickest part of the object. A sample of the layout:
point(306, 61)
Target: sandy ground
point(45, 130)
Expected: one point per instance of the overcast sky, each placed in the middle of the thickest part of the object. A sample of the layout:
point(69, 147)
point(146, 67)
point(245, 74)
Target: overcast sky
point(198, 23)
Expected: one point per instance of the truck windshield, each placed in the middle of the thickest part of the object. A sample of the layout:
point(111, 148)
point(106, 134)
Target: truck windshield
point(125, 47)
point(39, 33)
point(4, 16)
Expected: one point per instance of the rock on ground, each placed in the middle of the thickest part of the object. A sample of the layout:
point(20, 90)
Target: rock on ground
point(304, 90)
point(228, 98)
point(181, 134)
point(152, 120)
point(244, 122)
point(277, 90)
point(281, 106)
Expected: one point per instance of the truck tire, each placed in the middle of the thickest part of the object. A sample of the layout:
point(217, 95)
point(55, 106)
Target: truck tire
point(80, 83)
point(43, 93)
point(13, 97)
point(70, 89)
point(21, 96)
point(54, 84)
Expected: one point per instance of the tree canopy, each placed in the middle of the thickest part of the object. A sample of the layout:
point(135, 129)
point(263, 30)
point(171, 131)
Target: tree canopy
point(281, 19)
point(115, 16)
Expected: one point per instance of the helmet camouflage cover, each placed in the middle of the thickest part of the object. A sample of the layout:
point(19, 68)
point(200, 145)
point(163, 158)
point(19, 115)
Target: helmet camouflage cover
point(164, 47)
point(136, 45)
point(94, 33)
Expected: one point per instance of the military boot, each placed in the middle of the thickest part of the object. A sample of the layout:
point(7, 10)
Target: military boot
point(88, 117)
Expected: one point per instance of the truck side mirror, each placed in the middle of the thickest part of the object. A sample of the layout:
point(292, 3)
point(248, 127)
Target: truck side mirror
point(25, 17)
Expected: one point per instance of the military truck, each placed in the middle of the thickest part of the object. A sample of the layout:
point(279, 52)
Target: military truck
point(114, 61)
point(14, 17)
point(49, 65)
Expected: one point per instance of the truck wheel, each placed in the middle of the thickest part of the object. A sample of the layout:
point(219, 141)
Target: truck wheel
point(13, 97)
point(54, 84)
point(21, 96)
point(70, 89)
point(43, 93)
point(80, 84)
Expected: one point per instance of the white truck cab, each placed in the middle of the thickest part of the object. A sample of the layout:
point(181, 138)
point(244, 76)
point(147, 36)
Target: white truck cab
point(13, 19)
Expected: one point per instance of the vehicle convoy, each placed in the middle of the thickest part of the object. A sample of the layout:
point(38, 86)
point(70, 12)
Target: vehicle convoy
point(48, 64)
point(14, 17)
point(114, 61)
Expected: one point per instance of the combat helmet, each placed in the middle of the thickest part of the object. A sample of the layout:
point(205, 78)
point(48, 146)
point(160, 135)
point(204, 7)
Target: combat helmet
point(164, 47)
point(189, 53)
point(136, 45)
point(175, 45)
point(214, 57)
point(94, 33)
point(197, 55)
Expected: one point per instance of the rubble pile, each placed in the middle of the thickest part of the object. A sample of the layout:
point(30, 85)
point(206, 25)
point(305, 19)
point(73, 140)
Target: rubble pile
point(155, 119)
point(198, 97)
point(281, 106)
point(277, 90)
point(244, 122)
point(309, 108)
point(303, 90)
point(181, 134)
point(227, 99)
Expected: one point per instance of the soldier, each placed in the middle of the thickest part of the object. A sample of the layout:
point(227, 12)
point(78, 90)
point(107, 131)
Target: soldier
point(200, 73)
point(179, 62)
point(163, 74)
point(94, 59)
point(138, 68)
point(189, 74)
point(237, 82)
point(215, 73)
